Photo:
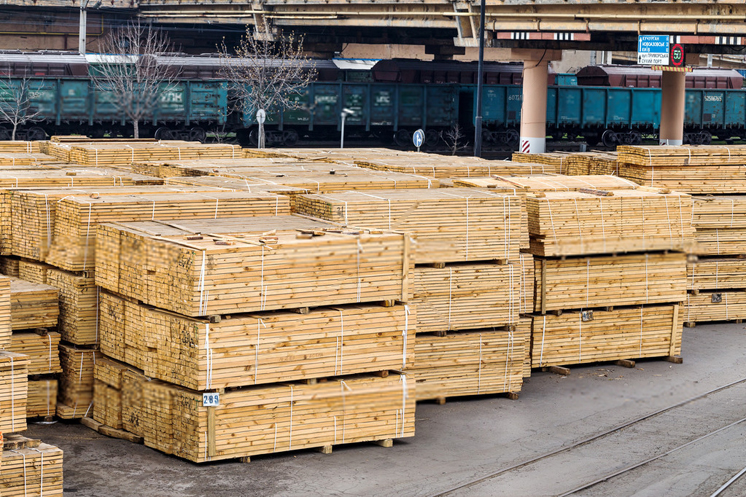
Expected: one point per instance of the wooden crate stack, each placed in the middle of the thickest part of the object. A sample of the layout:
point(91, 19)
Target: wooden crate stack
point(471, 283)
point(182, 300)
point(610, 269)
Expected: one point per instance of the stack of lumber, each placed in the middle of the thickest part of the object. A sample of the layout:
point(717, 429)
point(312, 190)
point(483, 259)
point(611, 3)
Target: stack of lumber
point(472, 296)
point(280, 262)
point(581, 337)
point(523, 328)
point(602, 222)
point(33, 305)
point(604, 281)
point(690, 169)
point(76, 381)
point(452, 167)
point(9, 266)
point(196, 168)
point(107, 392)
point(5, 318)
point(718, 305)
point(13, 391)
point(200, 355)
point(234, 184)
point(77, 217)
point(42, 398)
point(469, 363)
point(714, 273)
point(41, 350)
point(31, 147)
point(720, 224)
point(21, 159)
point(547, 183)
point(30, 468)
point(121, 153)
point(74, 177)
point(556, 160)
point(349, 410)
point(458, 224)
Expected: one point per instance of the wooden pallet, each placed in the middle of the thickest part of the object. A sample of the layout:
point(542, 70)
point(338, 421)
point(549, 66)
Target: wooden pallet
point(339, 411)
point(579, 223)
point(473, 296)
point(607, 281)
point(469, 363)
point(715, 306)
point(716, 273)
point(77, 217)
point(13, 391)
point(623, 333)
point(171, 266)
point(243, 350)
point(42, 398)
point(40, 348)
point(450, 225)
point(76, 381)
point(33, 305)
point(33, 469)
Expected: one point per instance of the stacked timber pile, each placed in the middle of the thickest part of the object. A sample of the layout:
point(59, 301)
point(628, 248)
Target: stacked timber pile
point(123, 153)
point(471, 282)
point(233, 184)
point(31, 147)
point(34, 312)
point(548, 183)
point(555, 160)
point(29, 467)
point(13, 391)
point(21, 159)
point(610, 274)
point(692, 169)
point(181, 300)
point(437, 166)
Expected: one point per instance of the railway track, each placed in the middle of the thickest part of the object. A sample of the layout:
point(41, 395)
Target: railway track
point(646, 428)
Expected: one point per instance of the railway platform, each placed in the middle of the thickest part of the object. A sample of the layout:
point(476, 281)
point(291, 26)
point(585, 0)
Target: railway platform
point(604, 430)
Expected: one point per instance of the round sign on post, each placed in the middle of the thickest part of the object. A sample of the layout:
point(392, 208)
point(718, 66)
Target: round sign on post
point(678, 55)
point(261, 116)
point(418, 138)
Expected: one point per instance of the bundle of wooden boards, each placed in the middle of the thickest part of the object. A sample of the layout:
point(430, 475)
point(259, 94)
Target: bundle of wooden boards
point(280, 262)
point(547, 183)
point(604, 281)
point(602, 222)
point(33, 305)
point(717, 305)
point(76, 381)
point(448, 225)
point(41, 350)
point(257, 349)
point(5, 319)
point(28, 147)
point(688, 169)
point(109, 154)
point(42, 398)
point(453, 167)
point(601, 335)
point(30, 468)
point(22, 159)
point(13, 391)
point(713, 273)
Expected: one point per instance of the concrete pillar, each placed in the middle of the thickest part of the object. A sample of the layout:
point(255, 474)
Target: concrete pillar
point(534, 107)
point(673, 101)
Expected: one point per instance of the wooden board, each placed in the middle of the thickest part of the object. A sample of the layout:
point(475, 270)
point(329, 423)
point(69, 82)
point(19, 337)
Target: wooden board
point(715, 306)
point(720, 241)
point(108, 154)
point(28, 147)
point(5, 318)
point(42, 398)
point(77, 217)
point(13, 391)
point(33, 305)
point(76, 381)
point(339, 411)
point(603, 281)
point(40, 349)
point(168, 266)
point(457, 224)
point(622, 333)
point(578, 223)
point(439, 166)
point(472, 296)
point(257, 349)
point(686, 155)
point(469, 363)
point(29, 472)
point(9, 266)
point(107, 405)
point(721, 211)
point(715, 273)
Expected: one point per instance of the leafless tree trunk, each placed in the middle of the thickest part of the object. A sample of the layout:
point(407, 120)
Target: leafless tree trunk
point(16, 102)
point(453, 137)
point(266, 72)
point(128, 71)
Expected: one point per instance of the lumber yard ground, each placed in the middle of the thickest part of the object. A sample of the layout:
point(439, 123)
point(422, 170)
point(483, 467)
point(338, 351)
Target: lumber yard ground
point(467, 441)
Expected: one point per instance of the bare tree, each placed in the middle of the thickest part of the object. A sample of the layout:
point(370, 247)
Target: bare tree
point(453, 138)
point(129, 70)
point(16, 102)
point(266, 72)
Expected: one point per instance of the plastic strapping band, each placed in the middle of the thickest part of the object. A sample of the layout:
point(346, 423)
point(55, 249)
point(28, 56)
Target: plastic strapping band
point(262, 292)
point(404, 338)
point(507, 378)
point(641, 308)
point(208, 353)
point(132, 159)
point(681, 221)
point(543, 332)
point(259, 324)
point(48, 397)
point(98, 299)
point(342, 386)
point(450, 295)
point(24, 469)
point(376, 197)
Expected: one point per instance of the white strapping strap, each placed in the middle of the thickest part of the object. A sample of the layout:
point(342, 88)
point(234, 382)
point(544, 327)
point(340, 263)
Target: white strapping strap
point(202, 280)
point(404, 337)
point(641, 307)
point(24, 470)
point(551, 220)
point(642, 204)
point(587, 280)
point(13, 404)
point(543, 333)
point(132, 158)
point(259, 324)
point(508, 378)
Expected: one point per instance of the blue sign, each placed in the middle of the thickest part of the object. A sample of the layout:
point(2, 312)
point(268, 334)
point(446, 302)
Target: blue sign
point(418, 138)
point(653, 50)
